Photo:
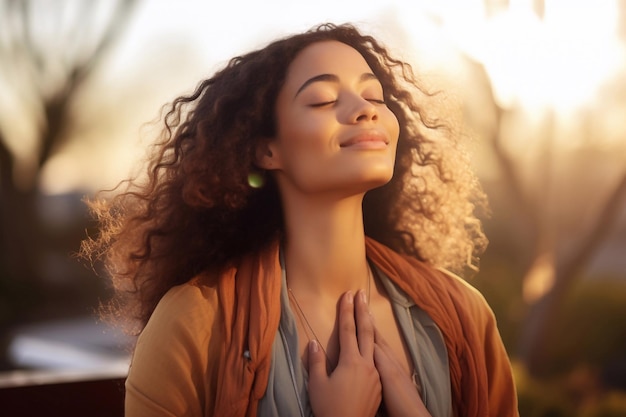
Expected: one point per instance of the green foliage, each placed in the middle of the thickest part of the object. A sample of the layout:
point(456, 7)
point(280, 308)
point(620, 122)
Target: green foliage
point(591, 334)
point(540, 398)
point(559, 397)
point(612, 404)
point(591, 325)
point(592, 328)
point(500, 282)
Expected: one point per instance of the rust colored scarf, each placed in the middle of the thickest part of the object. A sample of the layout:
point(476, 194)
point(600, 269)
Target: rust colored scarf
point(480, 373)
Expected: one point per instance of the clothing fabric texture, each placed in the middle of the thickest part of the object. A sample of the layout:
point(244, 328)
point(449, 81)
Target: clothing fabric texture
point(207, 349)
point(286, 393)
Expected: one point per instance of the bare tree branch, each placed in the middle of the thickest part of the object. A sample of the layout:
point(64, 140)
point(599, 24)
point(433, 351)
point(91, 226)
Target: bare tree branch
point(118, 21)
point(542, 321)
point(6, 165)
point(47, 53)
point(56, 107)
point(605, 220)
point(512, 179)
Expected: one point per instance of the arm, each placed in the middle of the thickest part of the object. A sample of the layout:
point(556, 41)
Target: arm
point(501, 391)
point(169, 371)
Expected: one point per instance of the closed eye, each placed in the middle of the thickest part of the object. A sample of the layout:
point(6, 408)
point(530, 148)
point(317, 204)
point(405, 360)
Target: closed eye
point(331, 102)
point(323, 103)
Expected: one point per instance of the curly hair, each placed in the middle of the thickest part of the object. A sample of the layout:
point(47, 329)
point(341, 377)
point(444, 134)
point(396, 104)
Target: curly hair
point(196, 211)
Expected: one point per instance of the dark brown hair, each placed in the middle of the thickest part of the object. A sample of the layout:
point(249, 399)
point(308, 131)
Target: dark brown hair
point(196, 211)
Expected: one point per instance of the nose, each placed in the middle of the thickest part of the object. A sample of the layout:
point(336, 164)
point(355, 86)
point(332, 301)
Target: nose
point(363, 111)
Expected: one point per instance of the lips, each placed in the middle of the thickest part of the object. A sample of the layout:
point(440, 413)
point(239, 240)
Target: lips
point(365, 138)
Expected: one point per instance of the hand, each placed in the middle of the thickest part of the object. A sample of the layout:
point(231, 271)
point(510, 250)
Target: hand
point(400, 395)
point(353, 388)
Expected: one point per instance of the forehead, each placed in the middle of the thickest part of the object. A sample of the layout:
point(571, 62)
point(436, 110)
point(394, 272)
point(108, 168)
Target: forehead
point(327, 57)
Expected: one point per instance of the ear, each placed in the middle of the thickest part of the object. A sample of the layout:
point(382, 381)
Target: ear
point(267, 155)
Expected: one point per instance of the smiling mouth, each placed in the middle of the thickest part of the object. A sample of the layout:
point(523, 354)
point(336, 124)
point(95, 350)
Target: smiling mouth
point(366, 139)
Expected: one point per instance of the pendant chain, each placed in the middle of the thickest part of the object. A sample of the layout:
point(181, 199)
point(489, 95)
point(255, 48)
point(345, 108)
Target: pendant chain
point(308, 326)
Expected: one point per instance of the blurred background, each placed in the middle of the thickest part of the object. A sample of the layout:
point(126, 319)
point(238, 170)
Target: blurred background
point(540, 86)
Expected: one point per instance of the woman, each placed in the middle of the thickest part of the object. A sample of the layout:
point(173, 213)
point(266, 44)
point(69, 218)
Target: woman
point(285, 255)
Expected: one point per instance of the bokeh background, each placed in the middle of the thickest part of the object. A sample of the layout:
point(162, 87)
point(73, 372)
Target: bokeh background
point(539, 85)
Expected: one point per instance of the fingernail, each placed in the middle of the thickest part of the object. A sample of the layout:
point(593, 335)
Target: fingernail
point(350, 297)
point(313, 345)
point(362, 295)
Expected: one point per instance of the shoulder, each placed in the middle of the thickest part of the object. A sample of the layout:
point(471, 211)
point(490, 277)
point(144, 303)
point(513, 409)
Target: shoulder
point(174, 354)
point(484, 348)
point(469, 301)
point(184, 323)
point(190, 308)
point(464, 291)
point(437, 290)
point(188, 299)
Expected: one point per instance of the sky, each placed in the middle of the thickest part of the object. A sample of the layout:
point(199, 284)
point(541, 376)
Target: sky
point(170, 46)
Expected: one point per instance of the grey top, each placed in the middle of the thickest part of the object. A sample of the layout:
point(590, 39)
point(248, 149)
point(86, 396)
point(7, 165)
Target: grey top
point(286, 393)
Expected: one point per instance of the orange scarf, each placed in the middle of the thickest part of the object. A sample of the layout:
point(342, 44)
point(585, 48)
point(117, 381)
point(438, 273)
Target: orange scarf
point(480, 373)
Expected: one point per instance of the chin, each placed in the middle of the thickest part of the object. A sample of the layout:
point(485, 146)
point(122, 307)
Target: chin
point(382, 175)
point(375, 181)
point(376, 184)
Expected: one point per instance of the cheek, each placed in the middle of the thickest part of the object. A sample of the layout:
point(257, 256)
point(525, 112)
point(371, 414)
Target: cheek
point(298, 147)
point(300, 133)
point(393, 129)
point(393, 125)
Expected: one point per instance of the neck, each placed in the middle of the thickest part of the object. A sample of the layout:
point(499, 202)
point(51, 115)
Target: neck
point(325, 247)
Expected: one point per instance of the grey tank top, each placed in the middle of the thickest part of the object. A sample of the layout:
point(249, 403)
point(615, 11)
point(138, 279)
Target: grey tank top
point(286, 393)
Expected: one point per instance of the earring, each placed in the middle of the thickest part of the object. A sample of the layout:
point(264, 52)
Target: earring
point(256, 179)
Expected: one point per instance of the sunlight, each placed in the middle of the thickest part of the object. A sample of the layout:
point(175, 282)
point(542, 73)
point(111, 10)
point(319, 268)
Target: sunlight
point(540, 278)
point(554, 62)
point(557, 61)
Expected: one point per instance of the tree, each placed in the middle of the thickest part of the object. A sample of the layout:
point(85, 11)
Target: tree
point(560, 250)
point(48, 52)
point(556, 194)
point(567, 198)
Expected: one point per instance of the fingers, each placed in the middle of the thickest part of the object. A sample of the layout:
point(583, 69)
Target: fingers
point(385, 363)
point(399, 392)
point(317, 362)
point(382, 361)
point(347, 326)
point(380, 340)
point(365, 326)
point(356, 327)
point(400, 395)
point(384, 357)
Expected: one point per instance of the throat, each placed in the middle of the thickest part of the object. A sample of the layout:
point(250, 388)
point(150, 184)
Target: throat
point(317, 320)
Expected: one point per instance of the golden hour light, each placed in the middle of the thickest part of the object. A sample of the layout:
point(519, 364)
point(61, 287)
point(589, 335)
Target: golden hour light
point(557, 59)
point(507, 196)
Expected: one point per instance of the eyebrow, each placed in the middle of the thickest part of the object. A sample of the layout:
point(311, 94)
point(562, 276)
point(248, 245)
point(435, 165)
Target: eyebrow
point(333, 79)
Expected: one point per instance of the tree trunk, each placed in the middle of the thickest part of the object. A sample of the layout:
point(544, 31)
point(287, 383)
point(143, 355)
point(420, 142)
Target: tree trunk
point(19, 244)
point(542, 320)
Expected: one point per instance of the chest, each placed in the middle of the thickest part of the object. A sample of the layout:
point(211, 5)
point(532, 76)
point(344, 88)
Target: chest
point(287, 392)
point(322, 326)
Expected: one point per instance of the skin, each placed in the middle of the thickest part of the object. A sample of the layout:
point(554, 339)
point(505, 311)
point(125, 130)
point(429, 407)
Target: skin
point(354, 387)
point(401, 397)
point(335, 141)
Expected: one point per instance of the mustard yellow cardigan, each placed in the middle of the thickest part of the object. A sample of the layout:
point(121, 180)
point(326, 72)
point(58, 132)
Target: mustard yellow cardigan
point(206, 350)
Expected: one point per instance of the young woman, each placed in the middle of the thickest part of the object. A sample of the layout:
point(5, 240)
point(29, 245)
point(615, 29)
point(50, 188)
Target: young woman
point(288, 253)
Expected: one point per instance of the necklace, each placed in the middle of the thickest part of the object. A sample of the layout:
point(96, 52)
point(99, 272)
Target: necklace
point(308, 326)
